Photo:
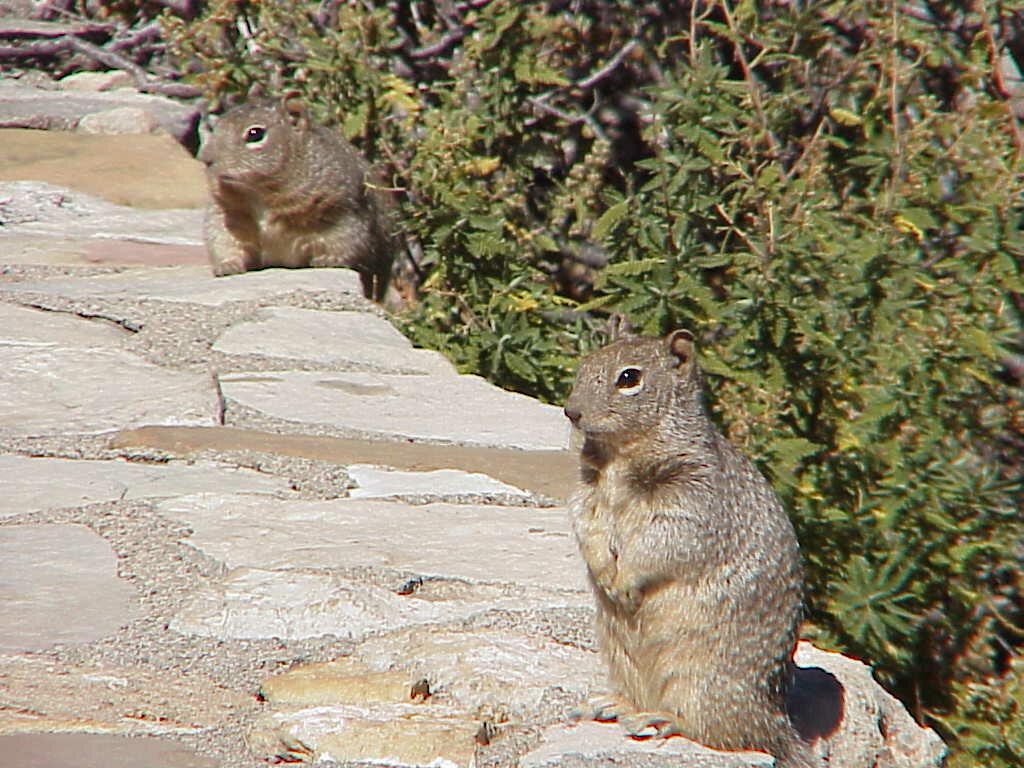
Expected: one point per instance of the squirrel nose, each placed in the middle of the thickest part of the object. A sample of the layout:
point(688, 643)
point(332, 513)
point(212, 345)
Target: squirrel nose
point(572, 414)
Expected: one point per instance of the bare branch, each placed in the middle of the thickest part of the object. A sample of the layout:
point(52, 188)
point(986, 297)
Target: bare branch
point(611, 66)
point(142, 79)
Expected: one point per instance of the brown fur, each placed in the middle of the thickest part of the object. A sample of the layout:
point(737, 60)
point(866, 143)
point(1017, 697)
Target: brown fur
point(297, 197)
point(694, 563)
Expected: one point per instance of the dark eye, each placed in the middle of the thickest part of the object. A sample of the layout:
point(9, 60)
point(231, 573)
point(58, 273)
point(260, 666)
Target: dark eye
point(629, 378)
point(255, 134)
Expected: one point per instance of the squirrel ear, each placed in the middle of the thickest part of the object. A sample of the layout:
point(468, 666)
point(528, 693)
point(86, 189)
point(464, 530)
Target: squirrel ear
point(294, 109)
point(680, 345)
point(618, 327)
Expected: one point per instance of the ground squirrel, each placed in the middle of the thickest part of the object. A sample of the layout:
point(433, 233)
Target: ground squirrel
point(693, 560)
point(286, 192)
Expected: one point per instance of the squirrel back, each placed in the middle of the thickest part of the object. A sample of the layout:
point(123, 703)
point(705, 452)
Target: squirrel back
point(286, 192)
point(693, 561)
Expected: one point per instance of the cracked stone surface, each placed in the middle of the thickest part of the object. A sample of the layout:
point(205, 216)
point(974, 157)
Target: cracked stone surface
point(368, 561)
point(477, 543)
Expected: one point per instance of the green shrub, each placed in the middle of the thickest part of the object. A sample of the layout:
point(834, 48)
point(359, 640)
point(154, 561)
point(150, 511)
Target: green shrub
point(828, 193)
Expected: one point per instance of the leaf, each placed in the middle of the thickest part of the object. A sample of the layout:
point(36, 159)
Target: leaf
point(609, 219)
point(632, 268)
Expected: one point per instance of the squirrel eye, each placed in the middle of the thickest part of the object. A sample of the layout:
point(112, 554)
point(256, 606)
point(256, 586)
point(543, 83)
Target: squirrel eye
point(255, 134)
point(630, 381)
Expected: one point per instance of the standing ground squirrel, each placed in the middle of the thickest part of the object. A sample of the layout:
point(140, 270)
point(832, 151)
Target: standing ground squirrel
point(289, 193)
point(693, 560)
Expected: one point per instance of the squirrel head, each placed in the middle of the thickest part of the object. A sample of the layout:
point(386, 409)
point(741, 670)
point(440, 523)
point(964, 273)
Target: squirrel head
point(634, 388)
point(254, 143)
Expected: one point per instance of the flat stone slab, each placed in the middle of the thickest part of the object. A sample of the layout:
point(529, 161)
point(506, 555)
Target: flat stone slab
point(334, 338)
point(47, 391)
point(254, 604)
point(26, 106)
point(27, 328)
point(59, 585)
point(32, 209)
point(110, 698)
point(466, 409)
point(380, 482)
point(81, 750)
point(193, 285)
point(605, 744)
point(32, 483)
point(61, 374)
point(140, 171)
point(480, 544)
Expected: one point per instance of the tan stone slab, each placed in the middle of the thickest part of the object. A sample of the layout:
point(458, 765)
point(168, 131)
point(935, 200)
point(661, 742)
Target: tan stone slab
point(146, 171)
point(552, 473)
point(344, 681)
point(399, 736)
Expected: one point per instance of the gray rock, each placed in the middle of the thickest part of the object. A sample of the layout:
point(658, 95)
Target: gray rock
point(480, 544)
point(32, 484)
point(96, 81)
point(853, 720)
point(379, 482)
point(60, 585)
point(26, 106)
point(118, 121)
point(335, 338)
point(193, 284)
point(466, 409)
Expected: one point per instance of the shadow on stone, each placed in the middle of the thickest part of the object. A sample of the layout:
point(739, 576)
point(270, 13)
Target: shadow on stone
point(815, 703)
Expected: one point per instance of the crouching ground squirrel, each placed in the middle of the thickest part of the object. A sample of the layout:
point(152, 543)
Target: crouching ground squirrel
point(693, 561)
point(286, 192)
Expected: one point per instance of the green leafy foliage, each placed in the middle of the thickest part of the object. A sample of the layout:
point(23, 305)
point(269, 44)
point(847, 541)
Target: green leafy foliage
point(829, 194)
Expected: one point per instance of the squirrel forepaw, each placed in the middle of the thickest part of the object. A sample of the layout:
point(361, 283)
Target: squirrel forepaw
point(604, 709)
point(650, 725)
